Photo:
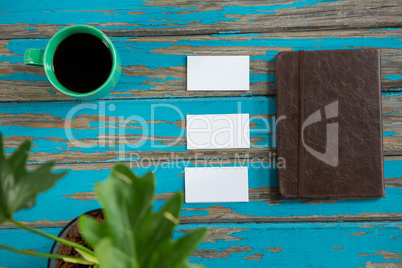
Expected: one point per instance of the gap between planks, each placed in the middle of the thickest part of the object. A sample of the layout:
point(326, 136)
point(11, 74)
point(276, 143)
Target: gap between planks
point(221, 32)
point(279, 220)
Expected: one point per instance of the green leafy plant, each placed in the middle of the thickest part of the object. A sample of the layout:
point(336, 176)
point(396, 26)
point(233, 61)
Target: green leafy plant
point(132, 235)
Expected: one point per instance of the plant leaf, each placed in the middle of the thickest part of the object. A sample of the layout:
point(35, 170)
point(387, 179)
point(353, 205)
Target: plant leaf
point(158, 228)
point(133, 235)
point(110, 256)
point(18, 187)
point(92, 230)
point(76, 260)
point(184, 247)
point(88, 257)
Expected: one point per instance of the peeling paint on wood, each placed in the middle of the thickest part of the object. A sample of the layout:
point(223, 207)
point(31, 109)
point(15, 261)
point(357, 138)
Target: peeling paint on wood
point(255, 240)
point(370, 264)
point(74, 195)
point(215, 254)
point(385, 254)
point(220, 234)
point(105, 138)
point(154, 38)
point(194, 17)
point(389, 255)
point(358, 234)
point(275, 249)
point(154, 67)
point(256, 256)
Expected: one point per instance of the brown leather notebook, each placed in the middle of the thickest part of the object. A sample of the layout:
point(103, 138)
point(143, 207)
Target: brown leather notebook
point(329, 123)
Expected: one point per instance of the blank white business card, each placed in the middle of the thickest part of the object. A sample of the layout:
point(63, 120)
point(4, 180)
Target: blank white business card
point(218, 131)
point(206, 73)
point(216, 184)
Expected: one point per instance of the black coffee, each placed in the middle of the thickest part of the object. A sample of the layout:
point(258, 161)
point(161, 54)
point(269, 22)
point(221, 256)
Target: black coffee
point(82, 62)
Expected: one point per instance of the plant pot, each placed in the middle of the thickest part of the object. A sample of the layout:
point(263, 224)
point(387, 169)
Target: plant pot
point(51, 263)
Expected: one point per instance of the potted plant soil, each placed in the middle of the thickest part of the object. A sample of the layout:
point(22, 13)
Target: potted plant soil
point(126, 233)
point(71, 233)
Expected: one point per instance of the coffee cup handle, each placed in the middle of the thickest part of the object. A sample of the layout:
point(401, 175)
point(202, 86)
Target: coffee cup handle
point(34, 57)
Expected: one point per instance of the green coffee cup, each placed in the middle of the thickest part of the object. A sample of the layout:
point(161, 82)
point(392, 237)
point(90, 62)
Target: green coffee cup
point(44, 58)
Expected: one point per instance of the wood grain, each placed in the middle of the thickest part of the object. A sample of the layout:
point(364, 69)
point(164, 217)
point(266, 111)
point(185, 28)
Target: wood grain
point(263, 245)
point(74, 195)
point(148, 18)
point(155, 67)
point(153, 39)
point(120, 130)
point(150, 129)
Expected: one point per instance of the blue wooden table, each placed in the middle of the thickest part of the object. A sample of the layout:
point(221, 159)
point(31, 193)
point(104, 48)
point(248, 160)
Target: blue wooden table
point(142, 123)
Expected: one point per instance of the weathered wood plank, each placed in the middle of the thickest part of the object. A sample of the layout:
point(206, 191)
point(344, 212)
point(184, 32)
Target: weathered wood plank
point(359, 244)
point(74, 195)
point(119, 130)
point(123, 130)
point(155, 67)
point(392, 115)
point(147, 18)
point(154, 70)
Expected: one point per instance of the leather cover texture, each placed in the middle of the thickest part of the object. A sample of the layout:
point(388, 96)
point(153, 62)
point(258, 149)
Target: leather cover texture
point(329, 123)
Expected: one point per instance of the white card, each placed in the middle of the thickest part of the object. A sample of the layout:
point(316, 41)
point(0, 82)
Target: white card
point(218, 131)
point(216, 184)
point(218, 73)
